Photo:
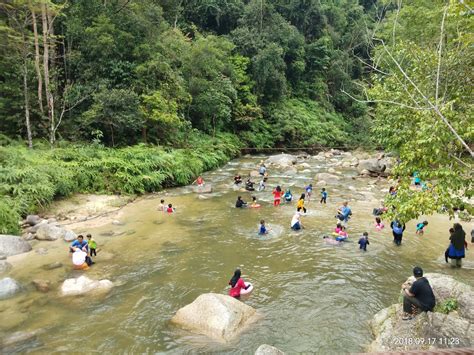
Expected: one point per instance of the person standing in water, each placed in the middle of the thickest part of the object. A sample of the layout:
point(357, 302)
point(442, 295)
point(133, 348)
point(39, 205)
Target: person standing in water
point(263, 170)
point(277, 196)
point(288, 196)
point(300, 205)
point(397, 230)
point(344, 213)
point(309, 191)
point(162, 206)
point(199, 181)
point(324, 196)
point(263, 230)
point(458, 242)
point(237, 284)
point(364, 241)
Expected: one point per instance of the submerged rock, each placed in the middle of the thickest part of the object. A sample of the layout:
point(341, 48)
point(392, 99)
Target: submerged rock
point(83, 285)
point(52, 266)
point(266, 349)
point(8, 288)
point(42, 285)
point(13, 245)
point(329, 178)
point(432, 329)
point(218, 316)
point(5, 267)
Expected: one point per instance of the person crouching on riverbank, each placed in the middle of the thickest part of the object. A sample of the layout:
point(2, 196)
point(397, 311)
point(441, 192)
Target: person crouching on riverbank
point(418, 297)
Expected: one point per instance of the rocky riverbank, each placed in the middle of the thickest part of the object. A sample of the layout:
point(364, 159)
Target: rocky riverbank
point(443, 328)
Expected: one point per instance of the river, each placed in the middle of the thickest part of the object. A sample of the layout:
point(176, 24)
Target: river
point(313, 297)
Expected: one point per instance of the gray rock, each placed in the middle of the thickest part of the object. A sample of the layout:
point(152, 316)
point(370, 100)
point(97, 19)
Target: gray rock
point(35, 228)
point(52, 220)
point(304, 166)
point(387, 324)
point(49, 232)
point(13, 245)
point(266, 349)
point(83, 285)
point(17, 339)
point(52, 266)
point(282, 160)
point(5, 267)
point(8, 288)
point(33, 219)
point(254, 173)
point(30, 236)
point(331, 170)
point(3, 257)
point(69, 236)
point(218, 316)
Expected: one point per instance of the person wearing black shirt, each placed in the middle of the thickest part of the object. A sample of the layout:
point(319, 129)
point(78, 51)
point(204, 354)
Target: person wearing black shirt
point(240, 203)
point(419, 297)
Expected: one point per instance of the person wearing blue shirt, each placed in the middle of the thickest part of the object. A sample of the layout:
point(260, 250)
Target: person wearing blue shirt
point(79, 243)
point(324, 195)
point(344, 213)
point(263, 230)
point(416, 179)
point(397, 230)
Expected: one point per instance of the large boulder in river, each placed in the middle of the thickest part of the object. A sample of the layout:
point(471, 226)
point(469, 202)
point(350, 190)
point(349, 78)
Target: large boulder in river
point(282, 160)
point(266, 349)
point(52, 232)
point(429, 330)
point(377, 166)
point(12, 245)
point(218, 316)
point(8, 288)
point(83, 285)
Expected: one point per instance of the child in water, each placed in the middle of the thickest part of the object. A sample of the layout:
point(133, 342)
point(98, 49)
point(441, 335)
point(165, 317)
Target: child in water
point(237, 284)
point(240, 203)
point(254, 202)
point(277, 196)
point(342, 234)
point(420, 227)
point(288, 196)
point(170, 208)
point(329, 240)
point(162, 207)
point(364, 241)
point(261, 185)
point(263, 230)
point(338, 228)
point(324, 196)
point(92, 245)
point(378, 224)
point(300, 204)
point(309, 191)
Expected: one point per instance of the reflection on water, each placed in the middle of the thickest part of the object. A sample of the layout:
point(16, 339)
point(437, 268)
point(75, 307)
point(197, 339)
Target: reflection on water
point(314, 297)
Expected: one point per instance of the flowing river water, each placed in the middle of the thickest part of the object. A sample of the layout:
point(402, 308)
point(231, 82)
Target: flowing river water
point(313, 297)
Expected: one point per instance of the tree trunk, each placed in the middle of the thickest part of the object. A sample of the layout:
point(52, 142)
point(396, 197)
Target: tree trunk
point(27, 104)
point(37, 62)
point(144, 134)
point(49, 96)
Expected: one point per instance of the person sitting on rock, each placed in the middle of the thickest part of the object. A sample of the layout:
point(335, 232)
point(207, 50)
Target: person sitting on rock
point(418, 297)
point(237, 284)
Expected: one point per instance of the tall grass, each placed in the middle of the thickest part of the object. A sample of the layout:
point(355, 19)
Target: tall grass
point(30, 180)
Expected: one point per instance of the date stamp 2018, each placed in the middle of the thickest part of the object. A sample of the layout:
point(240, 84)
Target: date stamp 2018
point(426, 341)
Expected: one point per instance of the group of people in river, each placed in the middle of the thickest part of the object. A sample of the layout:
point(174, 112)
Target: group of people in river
point(82, 252)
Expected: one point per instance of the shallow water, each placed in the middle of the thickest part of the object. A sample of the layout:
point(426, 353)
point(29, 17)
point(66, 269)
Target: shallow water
point(314, 297)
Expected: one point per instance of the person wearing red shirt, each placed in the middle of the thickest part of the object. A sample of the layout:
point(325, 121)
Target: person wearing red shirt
point(277, 196)
point(237, 284)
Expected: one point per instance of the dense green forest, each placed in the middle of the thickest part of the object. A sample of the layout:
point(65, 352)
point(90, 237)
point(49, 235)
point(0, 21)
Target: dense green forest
point(123, 72)
point(99, 80)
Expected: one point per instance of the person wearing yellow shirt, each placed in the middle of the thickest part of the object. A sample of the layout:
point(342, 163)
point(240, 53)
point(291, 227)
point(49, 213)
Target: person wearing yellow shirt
point(300, 204)
point(92, 245)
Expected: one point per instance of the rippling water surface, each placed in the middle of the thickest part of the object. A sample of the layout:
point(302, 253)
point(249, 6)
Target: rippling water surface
point(314, 297)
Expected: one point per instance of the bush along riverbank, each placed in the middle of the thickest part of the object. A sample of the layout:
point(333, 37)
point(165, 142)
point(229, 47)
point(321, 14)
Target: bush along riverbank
point(31, 179)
